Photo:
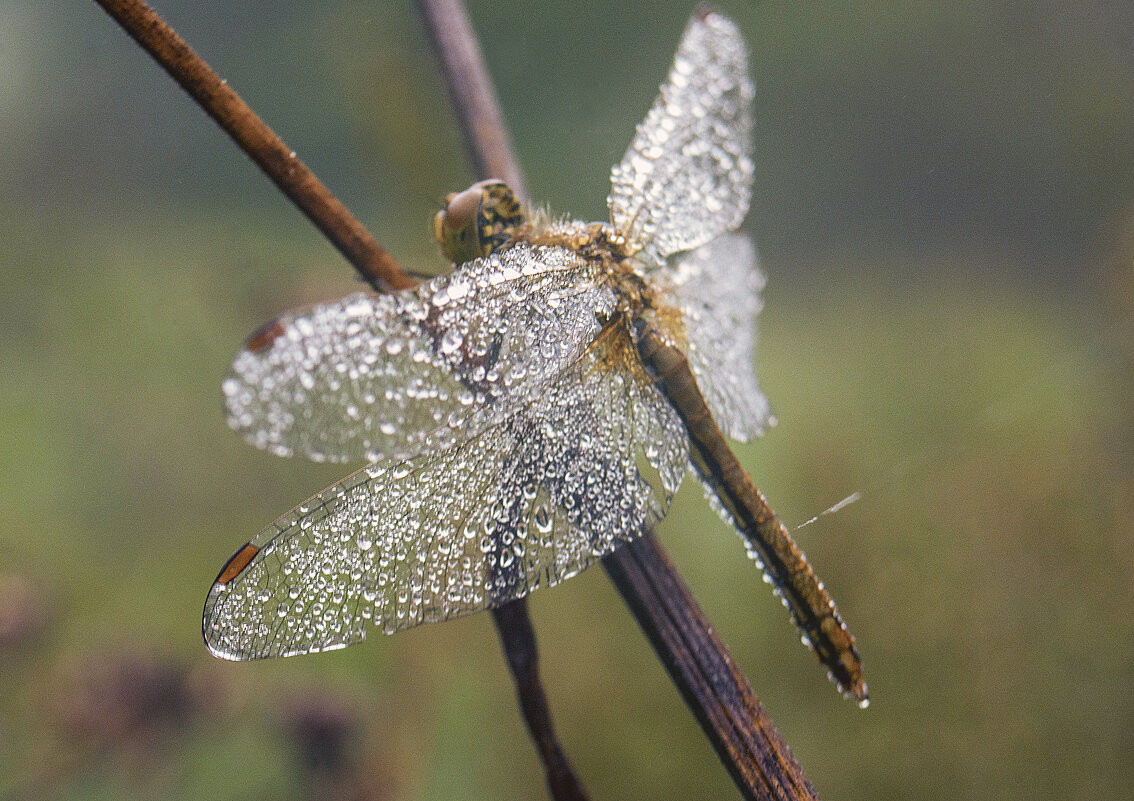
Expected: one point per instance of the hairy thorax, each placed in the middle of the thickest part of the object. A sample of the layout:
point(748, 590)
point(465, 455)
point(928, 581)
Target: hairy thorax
point(640, 306)
point(600, 244)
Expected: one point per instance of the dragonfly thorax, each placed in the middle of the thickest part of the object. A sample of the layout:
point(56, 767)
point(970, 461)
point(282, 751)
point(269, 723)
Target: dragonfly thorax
point(601, 244)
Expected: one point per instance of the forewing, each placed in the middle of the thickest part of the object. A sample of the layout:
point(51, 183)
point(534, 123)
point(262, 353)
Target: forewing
point(374, 377)
point(687, 176)
point(527, 502)
point(716, 289)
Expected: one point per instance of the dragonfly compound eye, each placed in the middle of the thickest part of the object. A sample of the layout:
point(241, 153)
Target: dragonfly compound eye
point(477, 221)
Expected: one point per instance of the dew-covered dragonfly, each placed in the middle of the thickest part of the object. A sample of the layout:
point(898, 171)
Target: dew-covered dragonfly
point(533, 409)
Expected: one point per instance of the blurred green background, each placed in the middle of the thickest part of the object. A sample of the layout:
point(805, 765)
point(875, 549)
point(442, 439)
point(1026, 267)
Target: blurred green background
point(944, 205)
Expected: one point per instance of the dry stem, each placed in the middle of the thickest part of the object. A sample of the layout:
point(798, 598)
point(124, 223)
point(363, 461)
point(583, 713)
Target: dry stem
point(261, 144)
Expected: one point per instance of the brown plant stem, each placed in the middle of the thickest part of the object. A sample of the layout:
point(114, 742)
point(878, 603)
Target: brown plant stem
point(518, 638)
point(255, 138)
point(745, 738)
point(486, 142)
point(472, 93)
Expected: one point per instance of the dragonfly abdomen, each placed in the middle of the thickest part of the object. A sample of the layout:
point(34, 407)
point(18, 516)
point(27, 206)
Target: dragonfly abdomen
point(810, 605)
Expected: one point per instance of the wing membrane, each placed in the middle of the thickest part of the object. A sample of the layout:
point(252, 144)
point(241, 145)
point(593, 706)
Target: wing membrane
point(717, 289)
point(389, 376)
point(526, 502)
point(687, 175)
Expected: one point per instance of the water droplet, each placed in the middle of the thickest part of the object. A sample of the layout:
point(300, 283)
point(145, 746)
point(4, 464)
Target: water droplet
point(451, 341)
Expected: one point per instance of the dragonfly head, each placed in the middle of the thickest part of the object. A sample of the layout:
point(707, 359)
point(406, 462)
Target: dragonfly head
point(477, 221)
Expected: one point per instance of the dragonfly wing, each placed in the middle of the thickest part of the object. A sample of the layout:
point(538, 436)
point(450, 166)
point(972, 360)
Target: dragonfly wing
point(687, 175)
point(373, 377)
point(524, 503)
point(717, 290)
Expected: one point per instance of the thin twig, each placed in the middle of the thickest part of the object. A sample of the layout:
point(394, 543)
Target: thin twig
point(518, 638)
point(486, 142)
point(472, 92)
point(256, 139)
point(745, 738)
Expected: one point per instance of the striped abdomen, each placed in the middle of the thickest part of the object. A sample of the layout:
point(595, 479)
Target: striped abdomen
point(810, 605)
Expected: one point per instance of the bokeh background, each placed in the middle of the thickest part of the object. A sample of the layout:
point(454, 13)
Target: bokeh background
point(944, 206)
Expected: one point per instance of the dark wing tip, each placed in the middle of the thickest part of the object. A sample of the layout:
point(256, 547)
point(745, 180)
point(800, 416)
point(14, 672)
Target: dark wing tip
point(236, 563)
point(263, 337)
point(209, 631)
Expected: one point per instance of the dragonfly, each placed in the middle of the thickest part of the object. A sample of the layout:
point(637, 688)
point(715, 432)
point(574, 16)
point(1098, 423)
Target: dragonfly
point(528, 412)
